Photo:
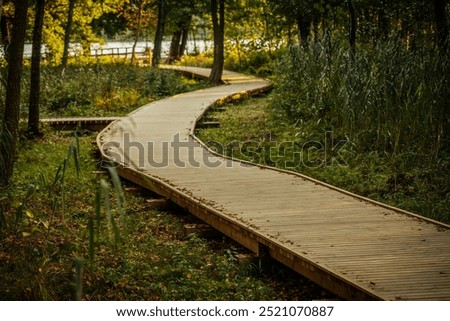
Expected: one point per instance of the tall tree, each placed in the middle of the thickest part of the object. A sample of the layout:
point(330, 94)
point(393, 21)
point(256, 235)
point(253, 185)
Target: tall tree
point(67, 33)
point(1, 11)
point(10, 128)
point(218, 21)
point(35, 78)
point(442, 28)
point(159, 32)
point(181, 14)
point(5, 31)
point(303, 28)
point(300, 13)
point(179, 38)
point(88, 15)
point(353, 26)
point(139, 6)
point(184, 37)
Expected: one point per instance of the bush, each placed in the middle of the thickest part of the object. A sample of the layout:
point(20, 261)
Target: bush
point(250, 60)
point(200, 60)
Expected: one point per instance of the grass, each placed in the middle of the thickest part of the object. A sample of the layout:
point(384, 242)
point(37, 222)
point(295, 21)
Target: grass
point(79, 239)
point(390, 99)
point(253, 130)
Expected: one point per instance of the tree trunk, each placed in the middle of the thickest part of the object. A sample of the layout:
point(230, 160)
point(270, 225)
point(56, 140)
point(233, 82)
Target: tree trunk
point(184, 37)
point(1, 11)
point(5, 41)
point(159, 32)
point(316, 23)
point(6, 35)
point(175, 45)
point(35, 78)
point(353, 26)
point(218, 20)
point(303, 29)
point(383, 24)
point(138, 33)
point(67, 33)
point(442, 29)
point(10, 128)
point(179, 39)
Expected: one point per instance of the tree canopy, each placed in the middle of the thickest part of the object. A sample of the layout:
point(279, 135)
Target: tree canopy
point(256, 23)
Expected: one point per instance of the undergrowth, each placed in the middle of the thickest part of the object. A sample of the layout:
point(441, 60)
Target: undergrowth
point(252, 61)
point(374, 121)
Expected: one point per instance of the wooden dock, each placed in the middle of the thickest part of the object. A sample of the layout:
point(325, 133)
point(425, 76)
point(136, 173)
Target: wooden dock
point(353, 246)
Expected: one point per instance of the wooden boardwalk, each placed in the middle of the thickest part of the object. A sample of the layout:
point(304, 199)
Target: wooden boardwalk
point(355, 247)
point(72, 123)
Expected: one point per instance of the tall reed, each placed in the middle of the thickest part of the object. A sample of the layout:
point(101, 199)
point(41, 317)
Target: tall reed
point(104, 194)
point(389, 98)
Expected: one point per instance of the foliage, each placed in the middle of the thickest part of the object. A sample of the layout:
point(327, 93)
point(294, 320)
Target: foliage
point(391, 100)
point(200, 60)
point(248, 60)
point(86, 11)
point(411, 21)
point(138, 14)
point(252, 61)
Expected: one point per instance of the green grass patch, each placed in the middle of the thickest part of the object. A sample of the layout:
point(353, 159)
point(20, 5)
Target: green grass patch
point(254, 130)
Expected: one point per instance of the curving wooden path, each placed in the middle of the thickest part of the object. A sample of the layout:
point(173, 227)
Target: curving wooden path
point(355, 247)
